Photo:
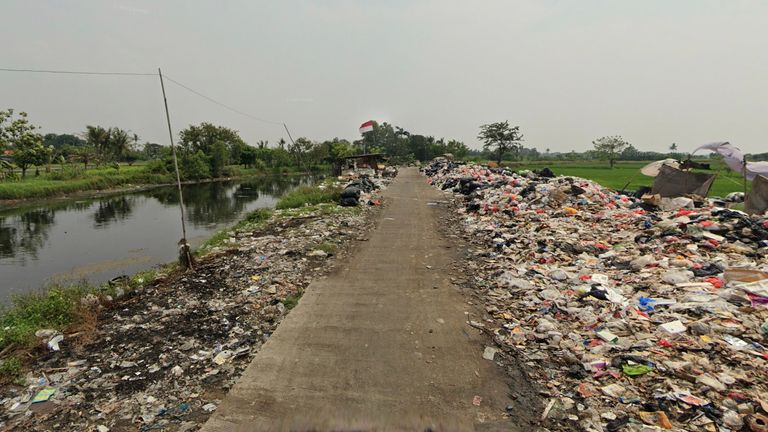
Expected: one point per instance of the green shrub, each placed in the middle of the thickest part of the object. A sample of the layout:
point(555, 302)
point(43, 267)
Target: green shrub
point(291, 301)
point(194, 166)
point(218, 159)
point(252, 219)
point(68, 173)
point(308, 195)
point(10, 370)
point(231, 171)
point(157, 166)
point(258, 216)
point(54, 308)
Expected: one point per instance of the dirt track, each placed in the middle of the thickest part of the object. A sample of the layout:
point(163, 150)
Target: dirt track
point(381, 344)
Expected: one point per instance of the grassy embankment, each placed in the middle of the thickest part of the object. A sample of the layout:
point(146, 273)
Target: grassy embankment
point(62, 182)
point(61, 307)
point(628, 172)
point(56, 183)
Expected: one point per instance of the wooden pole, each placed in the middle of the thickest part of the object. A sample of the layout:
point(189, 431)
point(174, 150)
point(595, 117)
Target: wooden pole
point(183, 241)
point(744, 173)
point(289, 134)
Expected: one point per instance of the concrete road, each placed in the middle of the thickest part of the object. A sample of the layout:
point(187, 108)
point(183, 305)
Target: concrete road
point(380, 344)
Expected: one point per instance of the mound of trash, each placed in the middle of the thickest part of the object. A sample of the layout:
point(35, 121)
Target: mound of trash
point(361, 188)
point(639, 318)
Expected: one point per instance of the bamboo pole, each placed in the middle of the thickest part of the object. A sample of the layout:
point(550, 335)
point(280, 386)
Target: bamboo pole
point(183, 241)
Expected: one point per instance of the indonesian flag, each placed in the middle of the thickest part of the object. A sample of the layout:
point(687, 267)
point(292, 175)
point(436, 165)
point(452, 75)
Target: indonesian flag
point(366, 127)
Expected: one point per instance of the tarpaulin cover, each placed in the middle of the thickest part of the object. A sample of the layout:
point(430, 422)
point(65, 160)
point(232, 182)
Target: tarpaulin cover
point(673, 182)
point(757, 198)
point(652, 169)
point(734, 158)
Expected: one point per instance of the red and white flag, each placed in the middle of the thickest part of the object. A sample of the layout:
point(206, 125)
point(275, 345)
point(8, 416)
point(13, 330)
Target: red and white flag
point(366, 127)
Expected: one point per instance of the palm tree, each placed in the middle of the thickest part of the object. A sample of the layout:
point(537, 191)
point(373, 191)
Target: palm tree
point(119, 142)
point(98, 138)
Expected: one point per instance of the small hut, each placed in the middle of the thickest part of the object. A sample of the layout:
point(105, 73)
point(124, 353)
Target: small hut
point(362, 161)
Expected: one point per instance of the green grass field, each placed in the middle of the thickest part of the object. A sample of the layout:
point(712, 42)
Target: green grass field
point(52, 184)
point(627, 174)
point(47, 185)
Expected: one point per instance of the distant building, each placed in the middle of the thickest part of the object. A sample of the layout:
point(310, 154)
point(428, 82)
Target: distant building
point(369, 160)
point(7, 155)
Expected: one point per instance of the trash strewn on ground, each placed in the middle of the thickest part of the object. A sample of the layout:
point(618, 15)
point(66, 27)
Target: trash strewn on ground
point(361, 188)
point(637, 318)
point(164, 355)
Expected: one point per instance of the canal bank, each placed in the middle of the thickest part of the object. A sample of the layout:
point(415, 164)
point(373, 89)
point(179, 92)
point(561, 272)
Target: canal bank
point(97, 239)
point(130, 187)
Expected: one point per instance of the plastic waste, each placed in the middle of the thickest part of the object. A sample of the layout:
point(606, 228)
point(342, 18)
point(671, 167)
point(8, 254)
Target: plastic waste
point(44, 395)
point(674, 277)
point(53, 343)
point(565, 266)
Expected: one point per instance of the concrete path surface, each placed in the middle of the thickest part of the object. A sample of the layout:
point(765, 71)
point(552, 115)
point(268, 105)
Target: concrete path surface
point(380, 344)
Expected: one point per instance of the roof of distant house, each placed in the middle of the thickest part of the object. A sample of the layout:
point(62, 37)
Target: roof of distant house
point(364, 155)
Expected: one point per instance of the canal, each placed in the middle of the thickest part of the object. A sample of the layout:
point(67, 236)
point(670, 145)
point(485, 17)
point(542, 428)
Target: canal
point(97, 239)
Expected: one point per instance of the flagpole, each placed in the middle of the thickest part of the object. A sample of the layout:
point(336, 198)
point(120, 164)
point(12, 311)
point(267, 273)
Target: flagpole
point(374, 136)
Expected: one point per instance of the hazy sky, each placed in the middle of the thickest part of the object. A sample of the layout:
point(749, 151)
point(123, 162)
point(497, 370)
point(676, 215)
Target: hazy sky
point(567, 72)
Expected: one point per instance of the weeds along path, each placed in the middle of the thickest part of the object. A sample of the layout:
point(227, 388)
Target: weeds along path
point(382, 343)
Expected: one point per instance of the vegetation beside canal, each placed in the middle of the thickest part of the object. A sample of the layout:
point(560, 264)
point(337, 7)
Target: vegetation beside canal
point(253, 220)
point(73, 309)
point(62, 308)
point(63, 182)
point(66, 182)
point(309, 195)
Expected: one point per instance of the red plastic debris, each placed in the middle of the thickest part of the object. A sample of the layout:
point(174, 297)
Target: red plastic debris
point(665, 343)
point(715, 281)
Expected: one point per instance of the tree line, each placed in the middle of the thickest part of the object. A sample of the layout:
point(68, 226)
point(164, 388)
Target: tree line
point(204, 151)
point(502, 142)
point(211, 151)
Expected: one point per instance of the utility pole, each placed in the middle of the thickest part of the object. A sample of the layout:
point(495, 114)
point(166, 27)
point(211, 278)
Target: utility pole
point(289, 134)
point(183, 242)
point(744, 173)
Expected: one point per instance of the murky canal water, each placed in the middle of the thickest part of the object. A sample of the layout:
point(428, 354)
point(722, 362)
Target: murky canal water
point(98, 239)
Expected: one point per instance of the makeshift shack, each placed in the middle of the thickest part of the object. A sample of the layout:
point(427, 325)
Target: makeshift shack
point(757, 199)
point(672, 182)
point(361, 161)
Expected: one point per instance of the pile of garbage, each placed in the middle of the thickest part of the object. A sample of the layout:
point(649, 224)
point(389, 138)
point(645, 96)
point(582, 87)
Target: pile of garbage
point(361, 188)
point(637, 318)
point(161, 357)
point(389, 171)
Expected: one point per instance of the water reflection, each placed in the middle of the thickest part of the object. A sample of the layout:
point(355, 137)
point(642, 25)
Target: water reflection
point(223, 202)
point(38, 242)
point(26, 231)
point(113, 210)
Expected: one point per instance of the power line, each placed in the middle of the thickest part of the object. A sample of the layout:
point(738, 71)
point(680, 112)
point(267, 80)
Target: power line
point(65, 72)
point(221, 103)
point(208, 98)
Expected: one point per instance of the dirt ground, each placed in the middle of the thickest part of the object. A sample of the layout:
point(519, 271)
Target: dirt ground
point(388, 341)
